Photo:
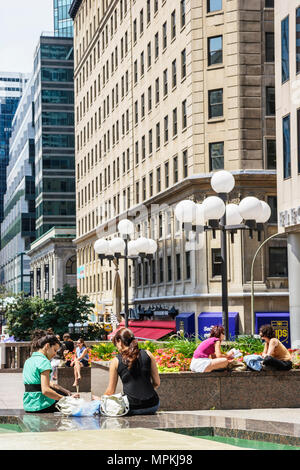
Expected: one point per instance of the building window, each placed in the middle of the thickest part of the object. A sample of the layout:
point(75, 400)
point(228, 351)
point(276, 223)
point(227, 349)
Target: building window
point(269, 47)
point(298, 40)
point(285, 64)
point(215, 100)
point(214, 5)
point(216, 156)
point(286, 147)
point(278, 266)
point(269, 4)
point(178, 267)
point(158, 180)
point(167, 174)
point(216, 262)
point(164, 35)
point(175, 169)
point(272, 201)
point(187, 265)
point(182, 13)
point(183, 63)
point(173, 24)
point(184, 115)
point(174, 74)
point(270, 101)
point(71, 265)
point(215, 50)
point(175, 127)
point(271, 154)
point(161, 270)
point(166, 128)
point(185, 163)
point(169, 268)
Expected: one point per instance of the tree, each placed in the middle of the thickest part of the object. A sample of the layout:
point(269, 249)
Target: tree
point(68, 307)
point(21, 316)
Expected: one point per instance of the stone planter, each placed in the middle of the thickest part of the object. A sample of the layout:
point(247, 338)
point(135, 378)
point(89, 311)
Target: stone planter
point(65, 378)
point(189, 391)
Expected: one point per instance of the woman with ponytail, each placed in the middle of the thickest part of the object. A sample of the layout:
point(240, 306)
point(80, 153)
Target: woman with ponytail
point(40, 394)
point(138, 372)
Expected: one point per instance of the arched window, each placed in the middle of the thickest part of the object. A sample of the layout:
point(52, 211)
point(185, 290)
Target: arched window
point(71, 265)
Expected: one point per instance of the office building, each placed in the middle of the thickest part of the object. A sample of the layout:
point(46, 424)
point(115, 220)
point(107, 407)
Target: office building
point(54, 159)
point(63, 24)
point(165, 94)
point(287, 60)
point(18, 225)
point(11, 89)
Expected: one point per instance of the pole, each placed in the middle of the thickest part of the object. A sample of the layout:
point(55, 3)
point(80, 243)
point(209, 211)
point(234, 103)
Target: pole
point(224, 272)
point(126, 282)
point(252, 279)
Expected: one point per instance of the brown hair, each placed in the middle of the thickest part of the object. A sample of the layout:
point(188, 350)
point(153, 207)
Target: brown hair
point(267, 331)
point(40, 338)
point(81, 341)
point(127, 338)
point(216, 331)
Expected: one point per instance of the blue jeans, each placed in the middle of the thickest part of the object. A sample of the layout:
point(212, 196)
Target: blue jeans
point(144, 411)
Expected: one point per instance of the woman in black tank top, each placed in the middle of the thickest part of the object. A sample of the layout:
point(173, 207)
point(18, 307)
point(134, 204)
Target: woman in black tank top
point(138, 372)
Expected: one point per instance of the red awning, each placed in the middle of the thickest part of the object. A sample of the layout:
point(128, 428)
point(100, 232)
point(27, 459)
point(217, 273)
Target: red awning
point(151, 330)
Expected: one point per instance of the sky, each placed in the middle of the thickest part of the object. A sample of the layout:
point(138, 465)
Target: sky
point(21, 24)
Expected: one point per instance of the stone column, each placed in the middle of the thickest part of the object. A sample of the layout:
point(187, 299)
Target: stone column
point(294, 282)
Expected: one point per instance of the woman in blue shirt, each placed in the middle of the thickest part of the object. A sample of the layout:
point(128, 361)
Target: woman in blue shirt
point(81, 360)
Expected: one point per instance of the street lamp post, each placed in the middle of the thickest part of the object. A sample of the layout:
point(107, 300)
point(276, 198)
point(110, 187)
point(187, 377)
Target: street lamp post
point(125, 248)
point(224, 217)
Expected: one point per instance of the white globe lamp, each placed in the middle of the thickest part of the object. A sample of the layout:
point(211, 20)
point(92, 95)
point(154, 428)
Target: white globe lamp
point(126, 227)
point(142, 245)
point(233, 216)
point(250, 208)
point(101, 247)
point(199, 215)
point(222, 182)
point(265, 214)
point(132, 248)
point(117, 245)
point(152, 246)
point(213, 207)
point(185, 211)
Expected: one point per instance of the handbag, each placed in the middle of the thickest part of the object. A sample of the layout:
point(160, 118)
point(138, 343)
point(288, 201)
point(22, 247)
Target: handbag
point(254, 362)
point(114, 405)
point(236, 365)
point(70, 406)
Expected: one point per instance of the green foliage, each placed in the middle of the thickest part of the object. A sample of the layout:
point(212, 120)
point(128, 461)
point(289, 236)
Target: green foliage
point(22, 316)
point(30, 313)
point(95, 332)
point(183, 345)
point(150, 345)
point(246, 344)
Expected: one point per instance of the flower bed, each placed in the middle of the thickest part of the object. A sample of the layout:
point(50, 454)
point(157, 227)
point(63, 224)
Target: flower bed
point(176, 355)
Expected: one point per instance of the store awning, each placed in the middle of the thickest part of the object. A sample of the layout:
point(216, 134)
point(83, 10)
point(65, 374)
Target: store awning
point(142, 329)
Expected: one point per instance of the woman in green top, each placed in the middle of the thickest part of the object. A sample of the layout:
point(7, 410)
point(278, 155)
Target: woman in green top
point(40, 395)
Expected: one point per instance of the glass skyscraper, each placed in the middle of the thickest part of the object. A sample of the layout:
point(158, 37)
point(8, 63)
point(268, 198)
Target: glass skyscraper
point(54, 134)
point(18, 225)
point(11, 89)
point(63, 24)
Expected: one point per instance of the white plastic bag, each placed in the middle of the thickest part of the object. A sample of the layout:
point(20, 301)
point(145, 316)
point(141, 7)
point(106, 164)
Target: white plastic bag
point(68, 405)
point(114, 405)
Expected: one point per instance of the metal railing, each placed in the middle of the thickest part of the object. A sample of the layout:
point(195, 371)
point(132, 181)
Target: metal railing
point(13, 355)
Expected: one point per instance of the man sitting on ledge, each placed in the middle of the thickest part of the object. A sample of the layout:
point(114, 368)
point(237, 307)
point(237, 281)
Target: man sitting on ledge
point(275, 354)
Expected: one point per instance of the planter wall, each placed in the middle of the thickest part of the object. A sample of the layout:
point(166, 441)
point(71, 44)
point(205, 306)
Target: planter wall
point(65, 378)
point(189, 391)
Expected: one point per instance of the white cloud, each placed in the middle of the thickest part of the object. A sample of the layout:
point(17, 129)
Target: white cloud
point(21, 24)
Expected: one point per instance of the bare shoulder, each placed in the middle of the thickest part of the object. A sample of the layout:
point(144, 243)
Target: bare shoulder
point(149, 353)
point(274, 342)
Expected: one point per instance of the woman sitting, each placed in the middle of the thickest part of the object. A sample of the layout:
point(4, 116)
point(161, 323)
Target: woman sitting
point(275, 354)
point(208, 356)
point(81, 360)
point(41, 395)
point(138, 372)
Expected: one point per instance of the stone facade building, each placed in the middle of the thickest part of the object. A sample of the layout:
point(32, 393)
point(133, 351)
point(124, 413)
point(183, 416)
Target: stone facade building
point(165, 94)
point(287, 60)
